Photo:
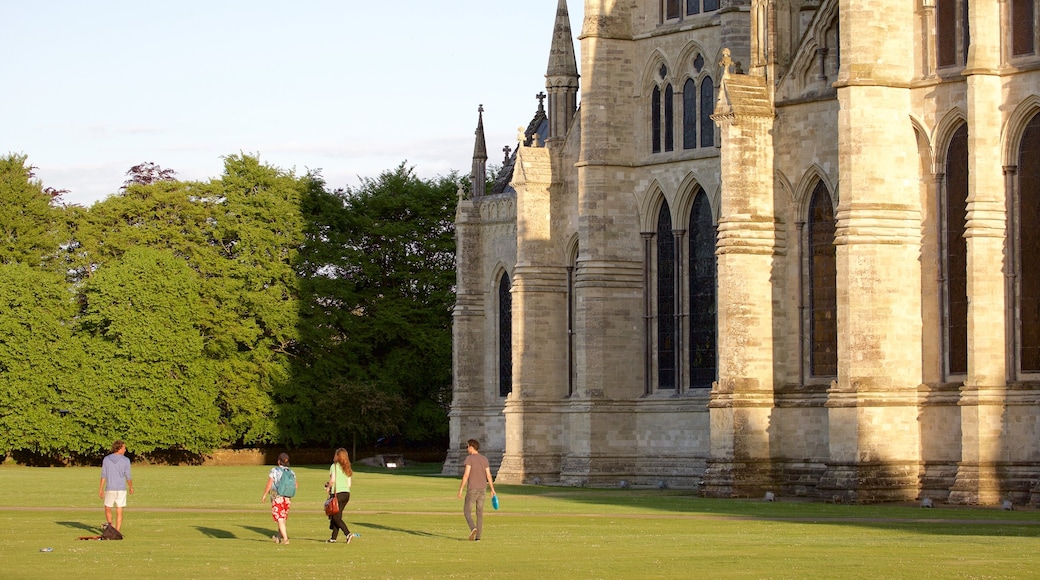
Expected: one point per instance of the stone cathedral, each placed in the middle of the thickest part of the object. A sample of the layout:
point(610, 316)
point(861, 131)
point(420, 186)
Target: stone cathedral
point(763, 245)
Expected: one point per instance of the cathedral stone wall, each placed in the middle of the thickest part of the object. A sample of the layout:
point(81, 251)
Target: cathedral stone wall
point(845, 97)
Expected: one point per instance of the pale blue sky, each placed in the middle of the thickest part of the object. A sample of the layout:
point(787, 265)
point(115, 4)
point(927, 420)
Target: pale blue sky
point(352, 87)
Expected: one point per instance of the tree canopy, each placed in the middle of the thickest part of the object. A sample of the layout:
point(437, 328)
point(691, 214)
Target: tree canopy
point(253, 309)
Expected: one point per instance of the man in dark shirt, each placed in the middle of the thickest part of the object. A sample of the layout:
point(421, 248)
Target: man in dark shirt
point(475, 481)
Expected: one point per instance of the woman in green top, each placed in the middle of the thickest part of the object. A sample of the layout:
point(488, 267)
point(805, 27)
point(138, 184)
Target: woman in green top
point(339, 484)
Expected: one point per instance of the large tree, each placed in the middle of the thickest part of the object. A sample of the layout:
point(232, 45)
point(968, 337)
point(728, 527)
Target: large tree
point(146, 376)
point(259, 228)
point(252, 309)
point(38, 361)
point(37, 351)
point(31, 228)
point(379, 271)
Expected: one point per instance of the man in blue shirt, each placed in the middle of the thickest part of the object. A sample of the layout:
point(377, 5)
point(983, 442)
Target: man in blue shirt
point(115, 482)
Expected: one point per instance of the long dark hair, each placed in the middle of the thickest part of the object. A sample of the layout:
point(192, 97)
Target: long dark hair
point(343, 460)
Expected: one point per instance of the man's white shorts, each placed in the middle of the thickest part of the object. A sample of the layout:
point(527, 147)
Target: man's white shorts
point(115, 498)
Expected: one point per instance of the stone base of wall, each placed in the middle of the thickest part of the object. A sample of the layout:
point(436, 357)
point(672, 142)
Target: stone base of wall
point(870, 482)
point(671, 472)
point(937, 480)
point(993, 484)
point(529, 468)
point(739, 479)
point(800, 479)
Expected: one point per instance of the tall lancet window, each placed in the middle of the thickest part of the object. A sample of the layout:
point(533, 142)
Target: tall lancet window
point(952, 32)
point(665, 300)
point(946, 33)
point(571, 367)
point(689, 115)
point(655, 120)
point(1028, 250)
point(703, 318)
point(1023, 27)
point(955, 258)
point(823, 291)
point(505, 337)
point(669, 119)
point(707, 108)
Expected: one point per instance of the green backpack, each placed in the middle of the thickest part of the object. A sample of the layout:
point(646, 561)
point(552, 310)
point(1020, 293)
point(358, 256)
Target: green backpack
point(286, 486)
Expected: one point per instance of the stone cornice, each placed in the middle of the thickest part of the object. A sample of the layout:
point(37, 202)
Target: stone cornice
point(877, 223)
point(743, 96)
point(746, 235)
point(986, 218)
point(533, 167)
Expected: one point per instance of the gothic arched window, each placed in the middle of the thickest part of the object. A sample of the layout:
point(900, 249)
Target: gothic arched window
point(823, 288)
point(505, 337)
point(952, 32)
point(689, 115)
point(707, 108)
point(1023, 27)
point(665, 300)
point(655, 120)
point(1028, 249)
point(955, 255)
point(946, 33)
point(673, 9)
point(669, 119)
point(572, 266)
point(703, 319)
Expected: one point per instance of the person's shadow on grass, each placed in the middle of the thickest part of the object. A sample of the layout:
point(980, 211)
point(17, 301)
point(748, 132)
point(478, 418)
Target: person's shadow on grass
point(265, 533)
point(215, 533)
point(80, 526)
point(400, 530)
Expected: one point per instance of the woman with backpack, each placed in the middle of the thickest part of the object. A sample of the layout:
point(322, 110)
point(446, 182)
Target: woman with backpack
point(339, 485)
point(281, 484)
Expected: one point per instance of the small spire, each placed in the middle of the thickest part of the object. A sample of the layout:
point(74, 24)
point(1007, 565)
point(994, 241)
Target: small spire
point(480, 145)
point(478, 174)
point(562, 62)
point(561, 77)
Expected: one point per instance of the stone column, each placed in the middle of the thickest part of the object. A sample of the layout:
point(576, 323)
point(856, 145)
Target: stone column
point(469, 396)
point(608, 283)
point(874, 432)
point(533, 423)
point(984, 391)
point(742, 400)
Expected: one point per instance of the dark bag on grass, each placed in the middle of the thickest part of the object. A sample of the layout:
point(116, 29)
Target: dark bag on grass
point(331, 506)
point(109, 532)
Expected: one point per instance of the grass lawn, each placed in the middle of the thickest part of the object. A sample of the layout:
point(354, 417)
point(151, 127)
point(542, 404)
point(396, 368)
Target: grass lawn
point(208, 522)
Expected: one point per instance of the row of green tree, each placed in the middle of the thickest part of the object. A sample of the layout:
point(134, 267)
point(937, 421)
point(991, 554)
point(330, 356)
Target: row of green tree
point(258, 308)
